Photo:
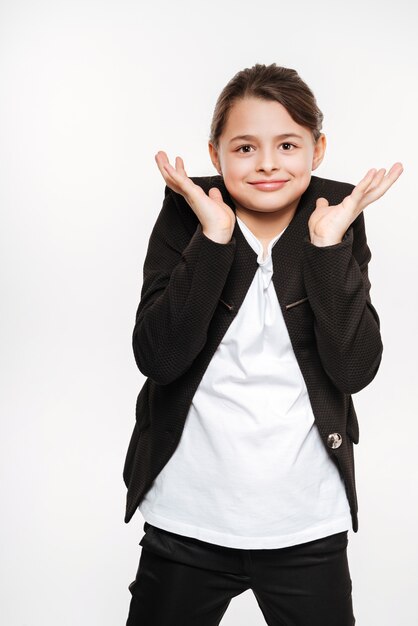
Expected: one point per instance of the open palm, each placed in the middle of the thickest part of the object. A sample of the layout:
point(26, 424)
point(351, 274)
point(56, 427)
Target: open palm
point(215, 216)
point(327, 224)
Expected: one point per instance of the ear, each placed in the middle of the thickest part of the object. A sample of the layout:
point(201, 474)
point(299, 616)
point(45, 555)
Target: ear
point(319, 151)
point(214, 157)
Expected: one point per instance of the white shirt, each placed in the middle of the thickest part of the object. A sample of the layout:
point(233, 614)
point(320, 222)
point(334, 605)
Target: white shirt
point(250, 470)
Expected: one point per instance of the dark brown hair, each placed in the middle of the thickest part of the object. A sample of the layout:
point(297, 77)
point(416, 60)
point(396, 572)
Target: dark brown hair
point(268, 82)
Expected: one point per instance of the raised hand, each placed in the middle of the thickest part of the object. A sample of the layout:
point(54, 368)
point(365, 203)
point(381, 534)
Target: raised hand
point(216, 217)
point(327, 224)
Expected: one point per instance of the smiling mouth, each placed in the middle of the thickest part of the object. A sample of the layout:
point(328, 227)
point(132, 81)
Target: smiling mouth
point(270, 185)
point(261, 182)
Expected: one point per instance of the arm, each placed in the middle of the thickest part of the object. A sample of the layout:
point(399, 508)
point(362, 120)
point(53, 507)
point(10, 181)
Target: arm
point(336, 257)
point(347, 327)
point(183, 279)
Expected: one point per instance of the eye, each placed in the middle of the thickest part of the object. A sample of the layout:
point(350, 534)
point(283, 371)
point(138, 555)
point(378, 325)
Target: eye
point(240, 148)
point(288, 144)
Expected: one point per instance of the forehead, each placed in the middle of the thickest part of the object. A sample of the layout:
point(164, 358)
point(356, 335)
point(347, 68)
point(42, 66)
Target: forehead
point(257, 117)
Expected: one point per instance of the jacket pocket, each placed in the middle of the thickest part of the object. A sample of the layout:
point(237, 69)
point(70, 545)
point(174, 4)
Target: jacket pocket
point(292, 304)
point(230, 307)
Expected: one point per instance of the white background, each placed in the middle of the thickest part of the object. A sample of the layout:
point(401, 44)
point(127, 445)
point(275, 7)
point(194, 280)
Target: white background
point(90, 91)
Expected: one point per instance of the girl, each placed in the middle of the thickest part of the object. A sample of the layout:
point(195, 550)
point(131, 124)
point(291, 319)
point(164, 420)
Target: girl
point(255, 326)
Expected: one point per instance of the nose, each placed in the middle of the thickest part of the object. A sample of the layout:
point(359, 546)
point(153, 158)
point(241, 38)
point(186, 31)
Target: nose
point(267, 161)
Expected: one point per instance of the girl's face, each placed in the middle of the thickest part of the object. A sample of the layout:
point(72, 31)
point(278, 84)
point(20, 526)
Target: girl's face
point(275, 148)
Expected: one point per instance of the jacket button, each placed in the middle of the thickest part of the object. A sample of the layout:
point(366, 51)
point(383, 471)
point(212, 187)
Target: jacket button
point(334, 440)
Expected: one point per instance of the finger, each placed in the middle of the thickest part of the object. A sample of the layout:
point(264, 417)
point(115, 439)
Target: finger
point(161, 157)
point(183, 183)
point(377, 179)
point(162, 160)
point(384, 183)
point(178, 172)
point(376, 191)
point(360, 189)
point(175, 173)
point(180, 165)
point(170, 175)
point(170, 169)
point(322, 202)
point(215, 194)
point(395, 171)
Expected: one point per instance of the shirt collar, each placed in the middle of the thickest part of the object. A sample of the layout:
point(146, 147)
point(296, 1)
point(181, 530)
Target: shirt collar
point(256, 244)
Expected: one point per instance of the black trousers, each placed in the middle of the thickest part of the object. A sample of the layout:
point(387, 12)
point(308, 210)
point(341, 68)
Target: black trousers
point(182, 581)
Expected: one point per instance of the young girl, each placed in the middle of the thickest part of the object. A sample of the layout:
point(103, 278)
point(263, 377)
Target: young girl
point(254, 328)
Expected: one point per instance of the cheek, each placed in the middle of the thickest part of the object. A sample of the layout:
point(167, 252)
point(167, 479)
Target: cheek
point(301, 169)
point(235, 171)
point(300, 163)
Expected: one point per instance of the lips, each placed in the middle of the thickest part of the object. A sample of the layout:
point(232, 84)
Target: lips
point(259, 182)
point(269, 185)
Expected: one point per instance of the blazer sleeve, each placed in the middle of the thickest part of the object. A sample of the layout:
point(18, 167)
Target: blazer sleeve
point(347, 326)
point(183, 278)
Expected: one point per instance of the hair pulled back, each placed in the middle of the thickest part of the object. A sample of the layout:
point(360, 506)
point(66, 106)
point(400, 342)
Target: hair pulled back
point(268, 82)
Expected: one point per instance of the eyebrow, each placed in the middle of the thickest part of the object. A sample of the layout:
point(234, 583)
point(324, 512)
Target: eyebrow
point(252, 137)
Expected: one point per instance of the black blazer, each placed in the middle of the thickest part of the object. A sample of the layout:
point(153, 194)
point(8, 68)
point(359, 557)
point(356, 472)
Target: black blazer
point(192, 289)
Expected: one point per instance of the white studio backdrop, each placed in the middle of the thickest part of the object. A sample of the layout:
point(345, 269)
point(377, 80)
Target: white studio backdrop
point(90, 91)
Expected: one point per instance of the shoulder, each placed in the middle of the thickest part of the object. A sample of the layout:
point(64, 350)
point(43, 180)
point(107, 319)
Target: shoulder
point(206, 182)
point(333, 190)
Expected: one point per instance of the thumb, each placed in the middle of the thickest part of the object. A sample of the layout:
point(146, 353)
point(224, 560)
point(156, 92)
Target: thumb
point(215, 194)
point(321, 202)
